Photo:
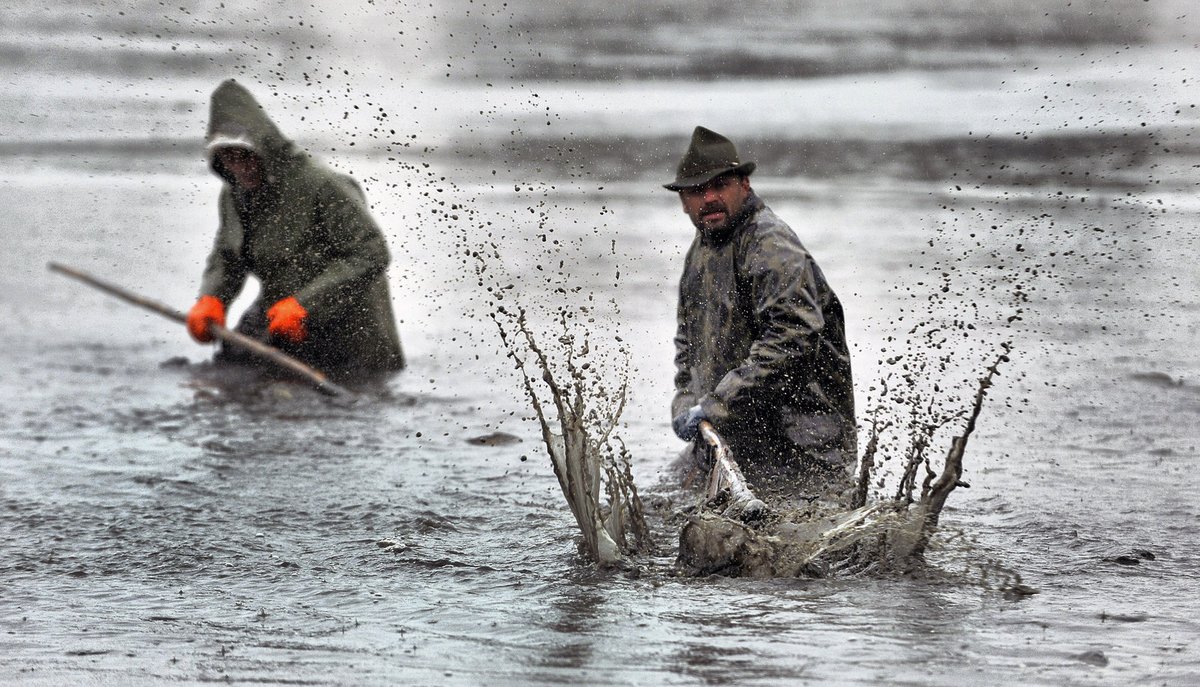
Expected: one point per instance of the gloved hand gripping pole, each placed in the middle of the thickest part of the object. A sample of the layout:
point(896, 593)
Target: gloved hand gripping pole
point(726, 475)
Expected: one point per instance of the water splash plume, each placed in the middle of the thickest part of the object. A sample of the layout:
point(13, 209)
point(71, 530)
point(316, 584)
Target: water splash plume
point(824, 538)
point(586, 455)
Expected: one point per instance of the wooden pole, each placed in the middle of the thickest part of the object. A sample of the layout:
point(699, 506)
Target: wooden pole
point(726, 474)
point(228, 336)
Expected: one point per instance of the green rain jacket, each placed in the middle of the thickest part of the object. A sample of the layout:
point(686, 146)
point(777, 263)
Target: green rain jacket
point(761, 346)
point(306, 232)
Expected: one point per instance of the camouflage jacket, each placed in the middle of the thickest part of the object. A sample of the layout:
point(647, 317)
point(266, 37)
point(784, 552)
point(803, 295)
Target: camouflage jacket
point(761, 343)
point(306, 232)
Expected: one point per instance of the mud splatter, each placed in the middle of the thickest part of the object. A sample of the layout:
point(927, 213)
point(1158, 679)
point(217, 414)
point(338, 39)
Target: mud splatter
point(587, 456)
point(825, 538)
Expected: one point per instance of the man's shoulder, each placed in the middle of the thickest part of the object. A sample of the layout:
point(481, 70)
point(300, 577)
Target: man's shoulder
point(766, 220)
point(322, 179)
point(765, 228)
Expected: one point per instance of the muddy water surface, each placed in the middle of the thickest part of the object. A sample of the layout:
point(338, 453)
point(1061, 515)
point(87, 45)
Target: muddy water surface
point(162, 522)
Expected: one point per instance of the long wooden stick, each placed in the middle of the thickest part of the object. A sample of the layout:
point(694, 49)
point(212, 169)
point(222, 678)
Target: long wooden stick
point(258, 348)
point(726, 474)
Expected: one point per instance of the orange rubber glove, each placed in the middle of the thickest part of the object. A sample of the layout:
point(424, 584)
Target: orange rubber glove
point(208, 310)
point(286, 319)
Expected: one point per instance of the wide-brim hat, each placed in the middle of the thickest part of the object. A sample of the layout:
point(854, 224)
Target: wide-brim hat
point(708, 156)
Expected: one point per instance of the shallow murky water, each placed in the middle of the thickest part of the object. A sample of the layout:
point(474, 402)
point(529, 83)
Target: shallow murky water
point(962, 184)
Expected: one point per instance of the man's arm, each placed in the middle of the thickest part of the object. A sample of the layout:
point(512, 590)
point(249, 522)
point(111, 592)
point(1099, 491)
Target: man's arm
point(787, 307)
point(684, 398)
point(225, 270)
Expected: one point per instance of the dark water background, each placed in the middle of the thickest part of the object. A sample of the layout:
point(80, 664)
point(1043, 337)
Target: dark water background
point(966, 174)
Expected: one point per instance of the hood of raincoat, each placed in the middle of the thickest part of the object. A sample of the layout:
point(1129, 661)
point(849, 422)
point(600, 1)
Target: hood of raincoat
point(236, 120)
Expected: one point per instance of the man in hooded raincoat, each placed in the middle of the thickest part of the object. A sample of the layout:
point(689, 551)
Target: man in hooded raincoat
point(760, 349)
point(306, 233)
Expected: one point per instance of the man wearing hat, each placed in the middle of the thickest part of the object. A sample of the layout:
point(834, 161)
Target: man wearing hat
point(306, 233)
point(760, 350)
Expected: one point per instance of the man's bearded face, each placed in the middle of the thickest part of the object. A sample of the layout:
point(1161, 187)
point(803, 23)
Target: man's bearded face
point(712, 206)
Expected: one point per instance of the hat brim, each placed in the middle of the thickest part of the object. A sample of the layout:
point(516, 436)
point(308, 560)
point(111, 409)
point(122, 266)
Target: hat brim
point(744, 169)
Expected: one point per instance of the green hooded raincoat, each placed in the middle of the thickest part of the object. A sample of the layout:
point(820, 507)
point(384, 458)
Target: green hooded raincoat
point(306, 232)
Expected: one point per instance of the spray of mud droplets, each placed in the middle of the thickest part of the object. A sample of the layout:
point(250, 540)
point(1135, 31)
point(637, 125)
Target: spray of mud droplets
point(578, 404)
point(826, 538)
point(585, 452)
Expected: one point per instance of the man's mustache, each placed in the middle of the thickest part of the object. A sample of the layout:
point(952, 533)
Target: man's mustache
point(713, 207)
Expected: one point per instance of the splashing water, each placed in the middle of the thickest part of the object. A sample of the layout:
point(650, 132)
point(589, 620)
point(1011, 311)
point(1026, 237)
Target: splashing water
point(585, 453)
point(821, 538)
point(825, 538)
point(860, 531)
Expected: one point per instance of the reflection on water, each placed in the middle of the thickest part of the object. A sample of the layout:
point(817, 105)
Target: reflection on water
point(158, 528)
point(577, 615)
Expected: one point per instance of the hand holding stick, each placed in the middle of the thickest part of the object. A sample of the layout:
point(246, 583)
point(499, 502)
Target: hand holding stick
point(228, 336)
point(726, 475)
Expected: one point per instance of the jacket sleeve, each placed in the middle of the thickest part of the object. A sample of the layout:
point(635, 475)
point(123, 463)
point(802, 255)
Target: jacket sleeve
point(786, 303)
point(225, 271)
point(355, 245)
point(684, 398)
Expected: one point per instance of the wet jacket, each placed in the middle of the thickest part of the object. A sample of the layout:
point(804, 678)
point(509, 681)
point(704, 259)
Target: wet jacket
point(305, 232)
point(761, 344)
